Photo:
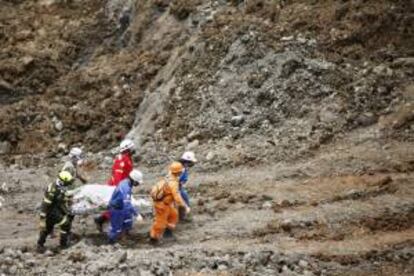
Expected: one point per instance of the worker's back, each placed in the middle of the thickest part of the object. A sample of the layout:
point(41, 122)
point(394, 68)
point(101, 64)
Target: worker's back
point(166, 191)
point(171, 190)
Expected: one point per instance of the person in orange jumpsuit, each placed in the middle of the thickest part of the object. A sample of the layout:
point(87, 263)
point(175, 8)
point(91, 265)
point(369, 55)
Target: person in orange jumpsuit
point(166, 196)
point(120, 170)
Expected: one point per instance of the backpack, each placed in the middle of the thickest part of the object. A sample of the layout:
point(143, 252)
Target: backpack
point(157, 191)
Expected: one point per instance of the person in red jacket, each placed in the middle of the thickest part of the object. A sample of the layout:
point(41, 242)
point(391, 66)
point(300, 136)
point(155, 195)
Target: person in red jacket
point(123, 163)
point(120, 170)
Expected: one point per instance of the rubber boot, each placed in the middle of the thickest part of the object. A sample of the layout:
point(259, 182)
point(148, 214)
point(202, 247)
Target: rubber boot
point(99, 221)
point(125, 237)
point(181, 213)
point(184, 217)
point(168, 234)
point(188, 218)
point(41, 242)
point(40, 249)
point(64, 240)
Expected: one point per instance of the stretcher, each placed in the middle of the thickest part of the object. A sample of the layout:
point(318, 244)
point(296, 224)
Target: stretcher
point(94, 198)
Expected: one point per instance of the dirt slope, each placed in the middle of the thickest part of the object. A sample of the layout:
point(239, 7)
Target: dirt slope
point(300, 112)
point(268, 75)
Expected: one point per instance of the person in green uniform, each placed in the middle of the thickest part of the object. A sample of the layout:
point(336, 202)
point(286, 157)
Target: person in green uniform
point(55, 210)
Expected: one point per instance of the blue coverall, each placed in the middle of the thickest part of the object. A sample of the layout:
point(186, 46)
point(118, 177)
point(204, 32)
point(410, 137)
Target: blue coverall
point(183, 180)
point(121, 209)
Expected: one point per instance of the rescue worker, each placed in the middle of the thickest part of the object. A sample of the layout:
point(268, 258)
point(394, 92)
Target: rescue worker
point(72, 165)
point(120, 207)
point(187, 160)
point(166, 196)
point(123, 162)
point(120, 170)
point(55, 210)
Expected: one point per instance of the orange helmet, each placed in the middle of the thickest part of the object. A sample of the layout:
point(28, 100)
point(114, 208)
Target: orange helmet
point(176, 168)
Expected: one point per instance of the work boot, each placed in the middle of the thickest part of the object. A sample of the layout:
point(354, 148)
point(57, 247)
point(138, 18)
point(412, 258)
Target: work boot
point(99, 221)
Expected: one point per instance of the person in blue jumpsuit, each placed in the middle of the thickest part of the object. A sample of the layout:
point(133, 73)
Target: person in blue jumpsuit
point(188, 160)
point(120, 206)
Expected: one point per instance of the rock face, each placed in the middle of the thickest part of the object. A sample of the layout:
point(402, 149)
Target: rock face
point(171, 68)
point(289, 96)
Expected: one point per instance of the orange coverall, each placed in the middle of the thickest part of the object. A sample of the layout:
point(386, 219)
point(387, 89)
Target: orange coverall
point(166, 214)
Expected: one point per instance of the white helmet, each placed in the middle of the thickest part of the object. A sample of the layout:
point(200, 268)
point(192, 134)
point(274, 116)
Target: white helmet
point(189, 156)
point(75, 153)
point(127, 144)
point(136, 176)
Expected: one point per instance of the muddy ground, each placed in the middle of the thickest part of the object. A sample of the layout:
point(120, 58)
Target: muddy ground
point(300, 113)
point(346, 211)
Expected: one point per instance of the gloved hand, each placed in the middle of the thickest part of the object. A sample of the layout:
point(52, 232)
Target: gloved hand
point(139, 219)
point(187, 210)
point(42, 224)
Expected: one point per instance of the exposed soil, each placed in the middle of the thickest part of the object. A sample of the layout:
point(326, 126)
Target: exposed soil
point(300, 113)
point(328, 222)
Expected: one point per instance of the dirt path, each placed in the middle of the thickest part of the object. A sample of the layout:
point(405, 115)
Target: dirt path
point(334, 219)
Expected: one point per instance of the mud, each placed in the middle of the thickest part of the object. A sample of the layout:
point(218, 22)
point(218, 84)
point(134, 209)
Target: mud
point(300, 113)
point(235, 231)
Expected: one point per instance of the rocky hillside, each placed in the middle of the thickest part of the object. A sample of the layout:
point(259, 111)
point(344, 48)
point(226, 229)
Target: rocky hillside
point(251, 81)
point(300, 111)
